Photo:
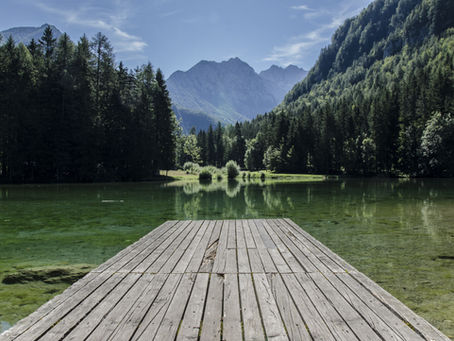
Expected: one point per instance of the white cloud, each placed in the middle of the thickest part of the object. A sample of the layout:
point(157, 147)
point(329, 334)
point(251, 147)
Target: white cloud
point(107, 20)
point(294, 51)
point(301, 8)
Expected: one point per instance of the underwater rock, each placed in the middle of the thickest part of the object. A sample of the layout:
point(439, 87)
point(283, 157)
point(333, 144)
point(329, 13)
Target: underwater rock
point(49, 274)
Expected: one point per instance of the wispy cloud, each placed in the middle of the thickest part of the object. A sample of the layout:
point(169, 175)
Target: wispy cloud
point(296, 48)
point(107, 20)
point(301, 8)
point(169, 14)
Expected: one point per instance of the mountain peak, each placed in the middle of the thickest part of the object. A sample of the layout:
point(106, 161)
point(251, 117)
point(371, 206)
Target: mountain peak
point(228, 91)
point(26, 33)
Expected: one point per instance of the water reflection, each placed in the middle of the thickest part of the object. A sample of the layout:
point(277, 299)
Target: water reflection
point(397, 231)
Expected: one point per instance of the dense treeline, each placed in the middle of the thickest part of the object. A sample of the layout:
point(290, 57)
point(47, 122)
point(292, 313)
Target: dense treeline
point(380, 100)
point(69, 113)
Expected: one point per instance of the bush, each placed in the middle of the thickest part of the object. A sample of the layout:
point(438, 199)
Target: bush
point(191, 167)
point(205, 174)
point(233, 170)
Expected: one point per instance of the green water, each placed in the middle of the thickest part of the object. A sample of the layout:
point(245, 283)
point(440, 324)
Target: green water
point(398, 232)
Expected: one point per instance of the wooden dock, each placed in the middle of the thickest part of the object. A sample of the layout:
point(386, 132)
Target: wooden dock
point(225, 280)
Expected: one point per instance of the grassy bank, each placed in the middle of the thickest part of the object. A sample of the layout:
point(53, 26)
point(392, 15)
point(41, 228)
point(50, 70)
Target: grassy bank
point(183, 175)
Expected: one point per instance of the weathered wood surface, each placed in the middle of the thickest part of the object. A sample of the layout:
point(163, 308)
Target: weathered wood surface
point(225, 280)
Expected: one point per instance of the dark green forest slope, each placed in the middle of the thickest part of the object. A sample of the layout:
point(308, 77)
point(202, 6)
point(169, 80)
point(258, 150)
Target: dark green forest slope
point(380, 99)
point(68, 113)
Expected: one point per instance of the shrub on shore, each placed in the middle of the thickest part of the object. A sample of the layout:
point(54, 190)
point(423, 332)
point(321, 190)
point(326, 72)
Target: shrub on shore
point(191, 168)
point(205, 174)
point(233, 170)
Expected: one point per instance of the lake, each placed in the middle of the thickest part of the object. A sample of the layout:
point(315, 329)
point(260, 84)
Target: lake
point(399, 232)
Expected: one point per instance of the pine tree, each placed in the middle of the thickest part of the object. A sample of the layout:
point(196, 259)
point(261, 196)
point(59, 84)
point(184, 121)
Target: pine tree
point(165, 126)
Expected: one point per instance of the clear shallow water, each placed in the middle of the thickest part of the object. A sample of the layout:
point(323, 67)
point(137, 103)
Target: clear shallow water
point(398, 232)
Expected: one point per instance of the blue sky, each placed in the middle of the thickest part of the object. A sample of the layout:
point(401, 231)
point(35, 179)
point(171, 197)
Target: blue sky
point(176, 34)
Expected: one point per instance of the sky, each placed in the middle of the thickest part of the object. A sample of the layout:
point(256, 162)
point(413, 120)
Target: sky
point(176, 34)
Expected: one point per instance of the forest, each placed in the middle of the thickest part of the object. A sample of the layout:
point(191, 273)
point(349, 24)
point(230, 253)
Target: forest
point(69, 113)
point(379, 101)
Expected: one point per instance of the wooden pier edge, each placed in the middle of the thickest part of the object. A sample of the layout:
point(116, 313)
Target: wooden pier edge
point(253, 279)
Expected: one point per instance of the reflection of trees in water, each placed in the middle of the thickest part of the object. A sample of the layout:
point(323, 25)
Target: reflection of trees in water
point(231, 199)
point(191, 208)
point(233, 188)
point(395, 203)
point(370, 203)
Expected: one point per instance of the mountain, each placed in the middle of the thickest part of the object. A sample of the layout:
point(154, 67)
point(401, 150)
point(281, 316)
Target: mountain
point(26, 34)
point(280, 80)
point(228, 91)
point(379, 99)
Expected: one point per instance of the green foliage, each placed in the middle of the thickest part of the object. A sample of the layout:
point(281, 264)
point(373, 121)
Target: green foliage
point(205, 174)
point(272, 159)
point(437, 145)
point(233, 170)
point(191, 168)
point(365, 108)
point(68, 114)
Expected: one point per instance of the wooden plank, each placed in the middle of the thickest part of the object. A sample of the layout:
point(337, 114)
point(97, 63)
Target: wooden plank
point(231, 266)
point(91, 320)
point(149, 322)
point(116, 285)
point(190, 326)
point(355, 321)
point(267, 240)
point(418, 323)
point(328, 257)
point(216, 232)
point(150, 253)
point(290, 259)
point(293, 321)
point(307, 259)
point(267, 262)
point(220, 259)
point(212, 249)
point(379, 317)
point(252, 323)
point(123, 257)
point(240, 241)
point(243, 261)
point(139, 313)
point(168, 327)
point(279, 261)
point(250, 243)
point(38, 329)
point(159, 257)
point(255, 261)
point(197, 258)
point(249, 279)
point(231, 235)
point(179, 250)
point(314, 322)
point(190, 249)
point(211, 327)
point(271, 317)
point(119, 313)
point(301, 258)
point(231, 316)
point(336, 324)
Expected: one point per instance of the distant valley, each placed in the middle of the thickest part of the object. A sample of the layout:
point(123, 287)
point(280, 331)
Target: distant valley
point(228, 91)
